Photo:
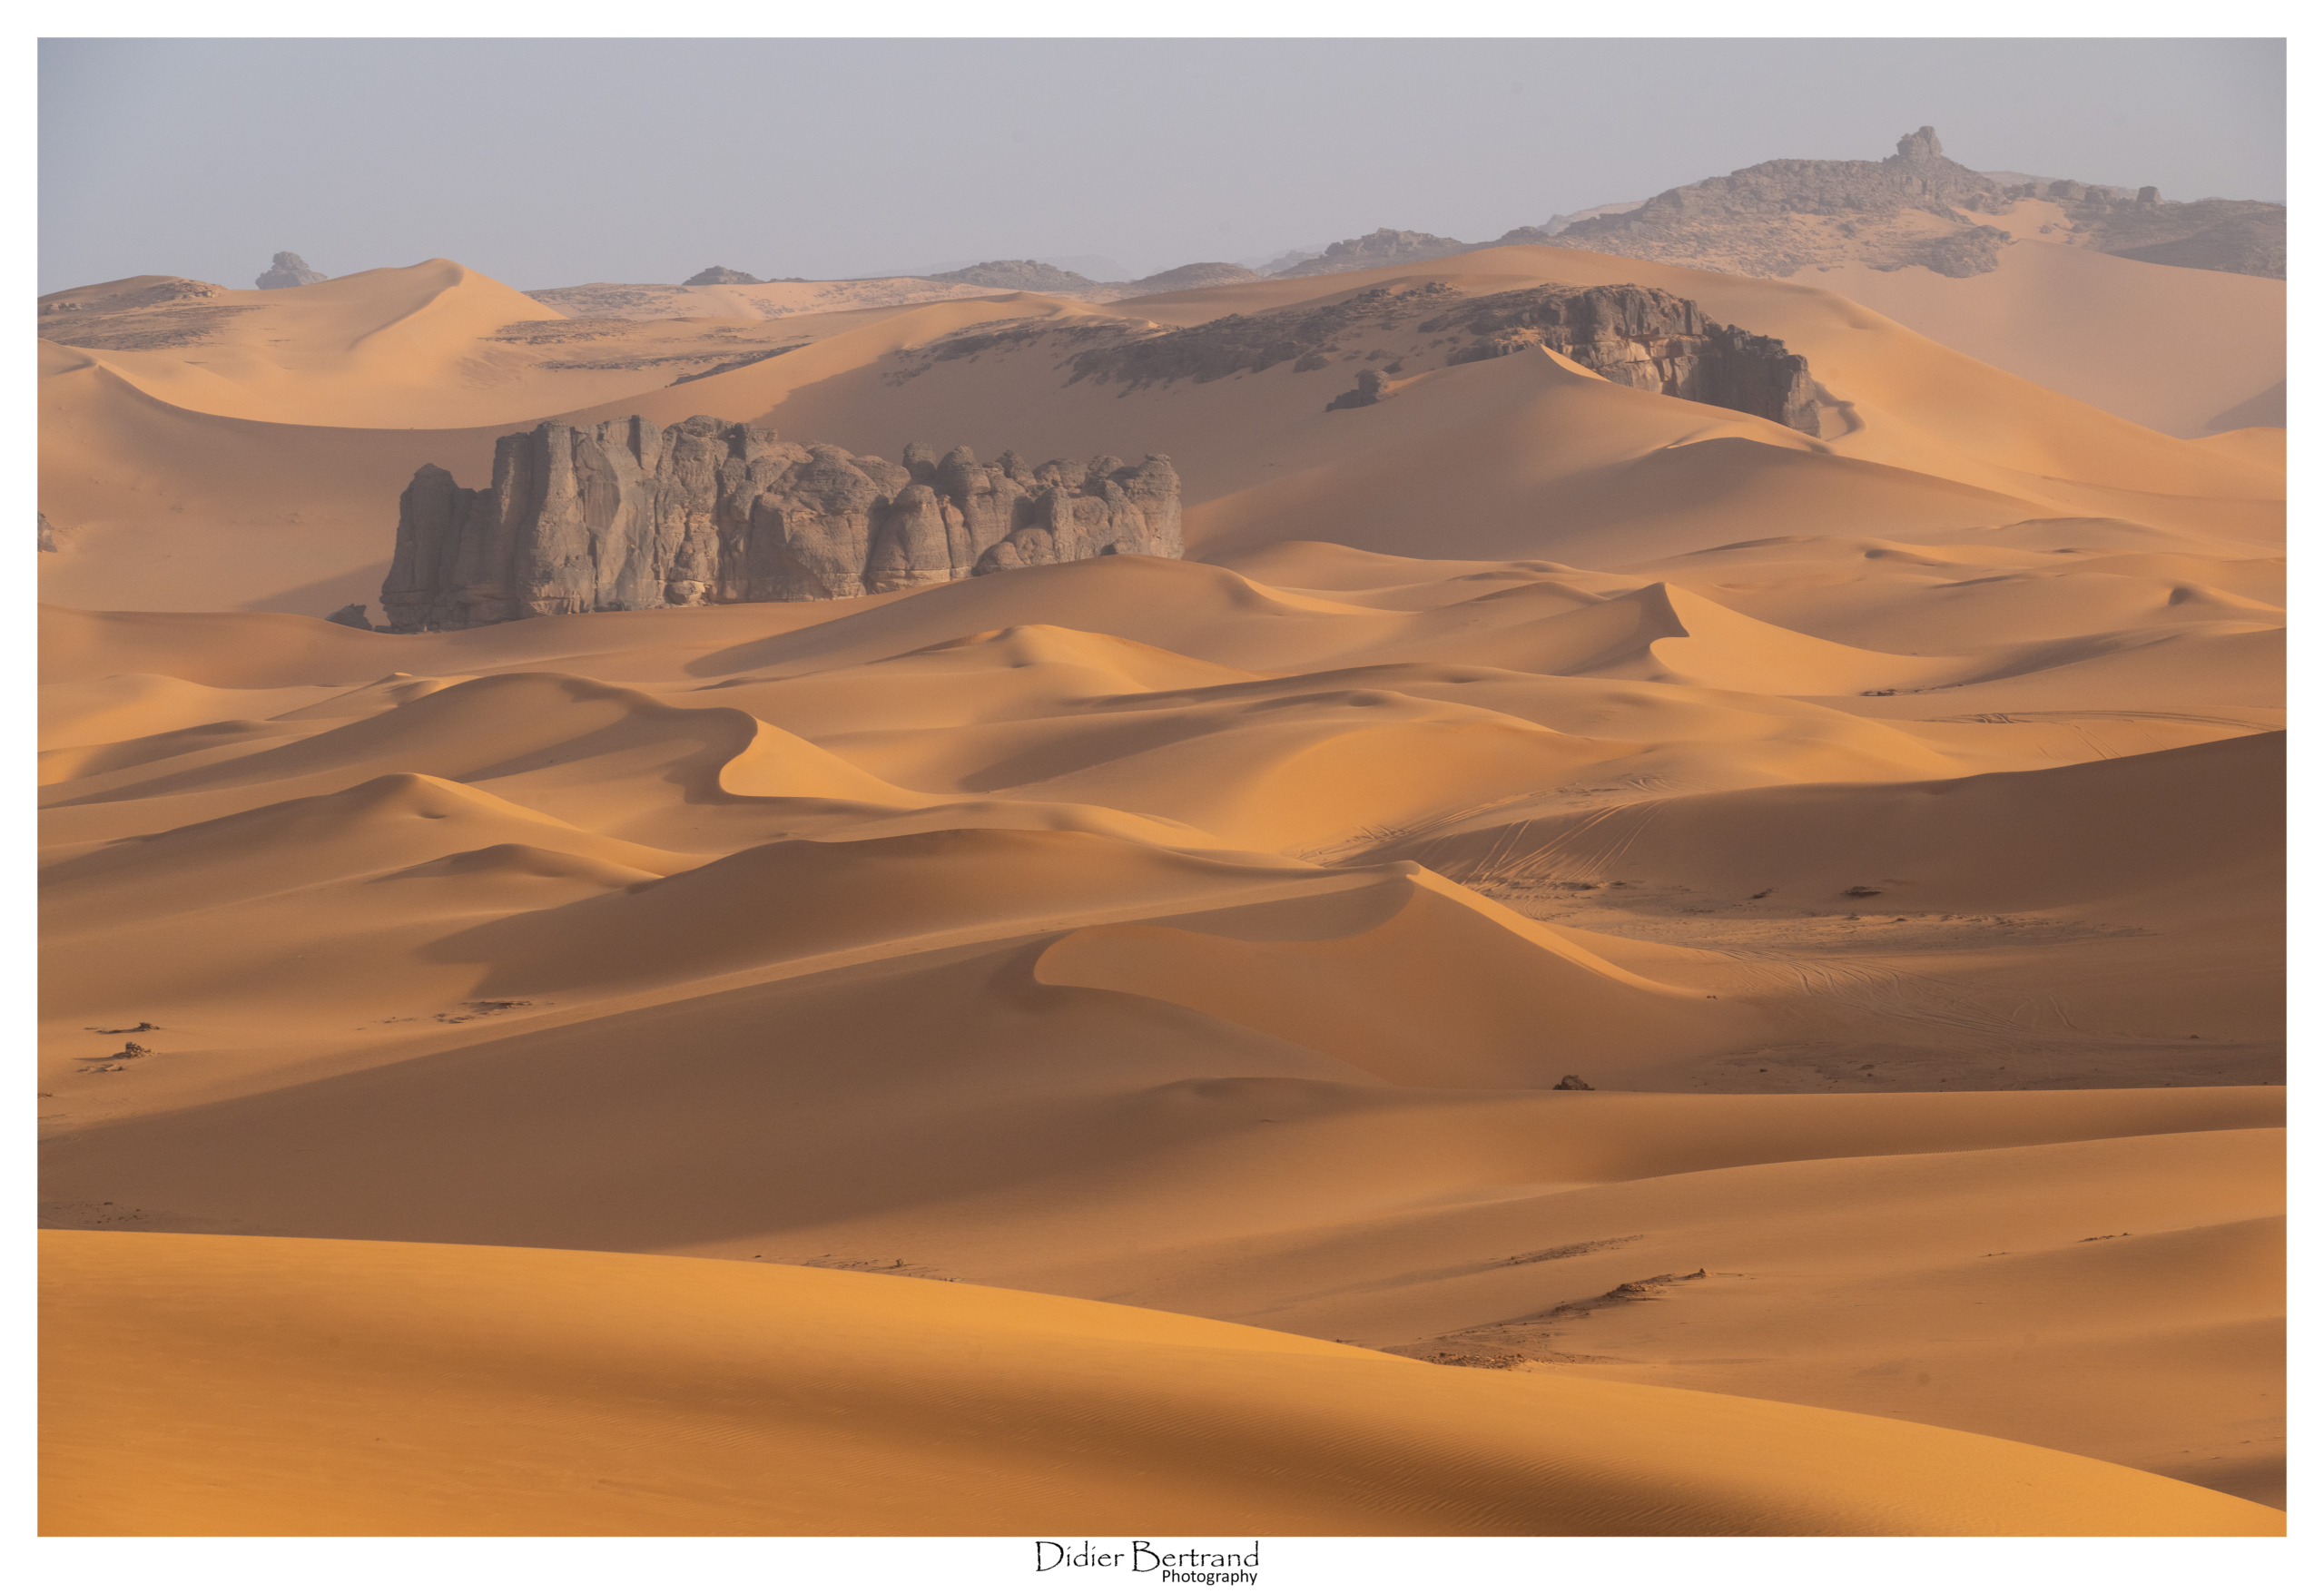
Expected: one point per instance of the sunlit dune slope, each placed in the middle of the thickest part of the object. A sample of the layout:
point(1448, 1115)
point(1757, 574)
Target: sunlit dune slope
point(2110, 332)
point(396, 347)
point(2195, 818)
point(1882, 825)
point(1445, 990)
point(212, 1386)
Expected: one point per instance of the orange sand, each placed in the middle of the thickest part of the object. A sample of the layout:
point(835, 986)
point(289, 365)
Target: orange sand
point(1163, 966)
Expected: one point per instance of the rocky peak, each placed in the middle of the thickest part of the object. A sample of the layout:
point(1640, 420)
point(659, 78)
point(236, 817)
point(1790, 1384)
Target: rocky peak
point(722, 277)
point(289, 271)
point(1917, 148)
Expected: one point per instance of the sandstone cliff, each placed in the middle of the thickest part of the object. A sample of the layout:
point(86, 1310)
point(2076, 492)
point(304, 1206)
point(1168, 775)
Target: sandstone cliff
point(629, 514)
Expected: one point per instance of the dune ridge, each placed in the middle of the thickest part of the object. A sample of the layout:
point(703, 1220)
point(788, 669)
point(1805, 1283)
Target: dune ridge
point(1587, 963)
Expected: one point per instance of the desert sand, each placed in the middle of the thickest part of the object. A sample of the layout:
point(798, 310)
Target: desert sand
point(1080, 1043)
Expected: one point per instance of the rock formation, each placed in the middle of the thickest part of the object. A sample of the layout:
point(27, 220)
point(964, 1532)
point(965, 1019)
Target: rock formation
point(1386, 247)
point(1208, 273)
point(47, 534)
point(629, 514)
point(353, 615)
point(147, 312)
point(1029, 276)
point(1782, 216)
point(1369, 387)
point(2247, 236)
point(1642, 337)
point(722, 277)
point(1919, 208)
point(289, 271)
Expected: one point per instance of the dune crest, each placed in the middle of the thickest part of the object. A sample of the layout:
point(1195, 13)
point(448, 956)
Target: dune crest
point(1671, 922)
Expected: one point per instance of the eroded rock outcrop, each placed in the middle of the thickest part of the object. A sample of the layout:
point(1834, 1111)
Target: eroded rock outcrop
point(1640, 337)
point(722, 277)
point(1912, 208)
point(1370, 386)
point(629, 514)
point(289, 271)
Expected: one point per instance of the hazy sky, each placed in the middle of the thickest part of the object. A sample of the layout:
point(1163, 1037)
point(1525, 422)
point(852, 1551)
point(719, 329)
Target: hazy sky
point(546, 163)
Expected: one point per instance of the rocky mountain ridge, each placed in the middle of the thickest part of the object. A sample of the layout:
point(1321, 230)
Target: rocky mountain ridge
point(1916, 207)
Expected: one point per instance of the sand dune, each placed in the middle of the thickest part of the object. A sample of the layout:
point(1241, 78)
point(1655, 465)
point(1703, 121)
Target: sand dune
point(1124, 1414)
point(2068, 827)
point(157, 459)
point(2098, 328)
point(443, 1033)
point(1442, 993)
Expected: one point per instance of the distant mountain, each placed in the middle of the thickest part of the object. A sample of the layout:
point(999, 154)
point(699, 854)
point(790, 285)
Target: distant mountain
point(1390, 247)
point(1028, 276)
point(1208, 274)
point(1098, 268)
point(1386, 247)
point(1918, 207)
point(1275, 265)
point(1034, 276)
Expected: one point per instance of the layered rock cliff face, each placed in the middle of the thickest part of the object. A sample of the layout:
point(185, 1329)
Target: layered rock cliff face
point(629, 514)
point(1642, 337)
